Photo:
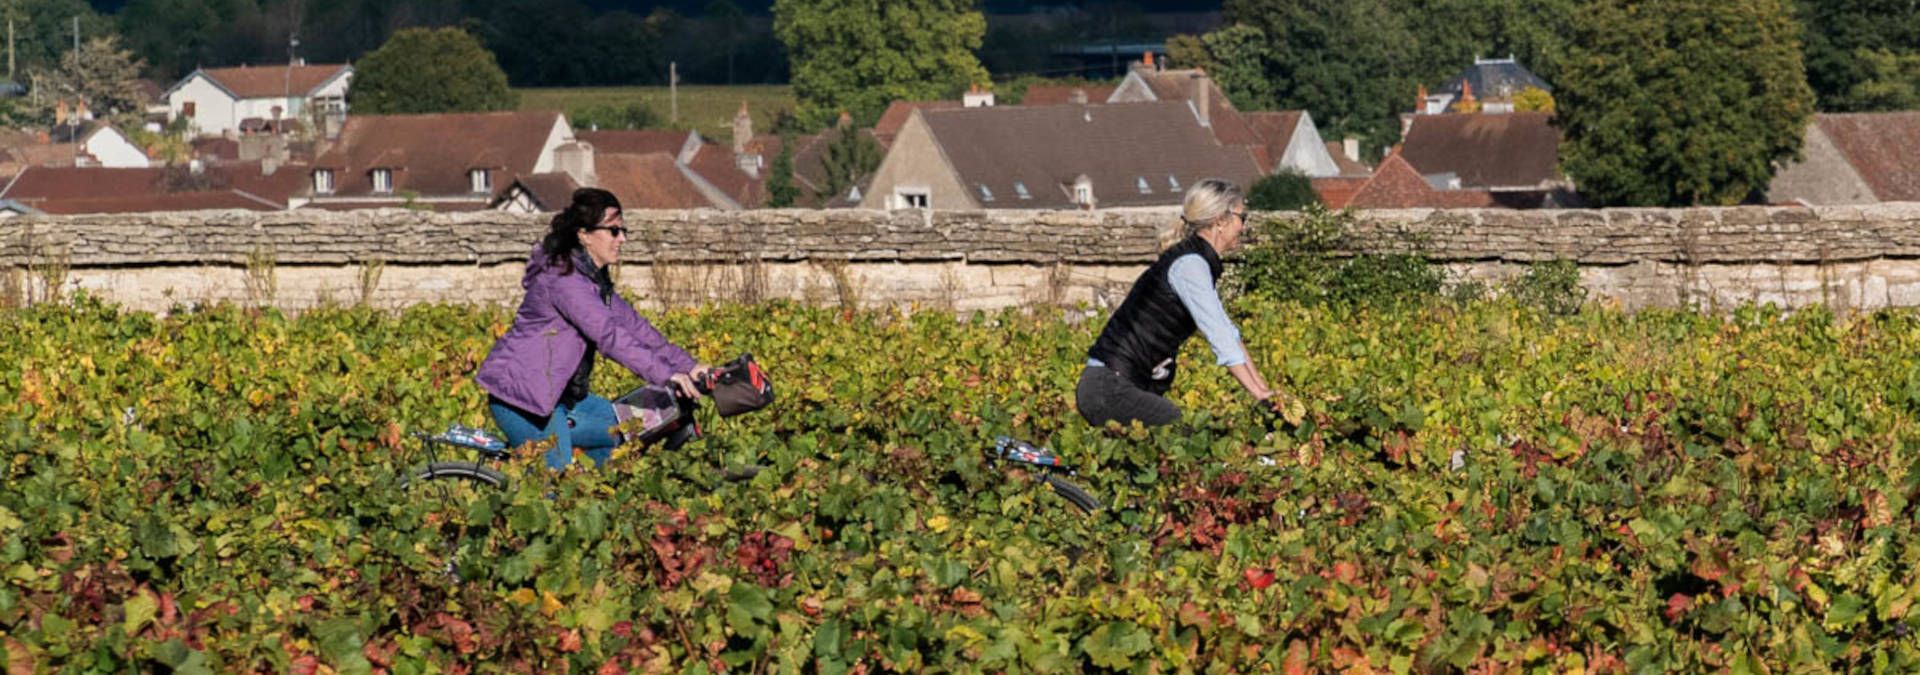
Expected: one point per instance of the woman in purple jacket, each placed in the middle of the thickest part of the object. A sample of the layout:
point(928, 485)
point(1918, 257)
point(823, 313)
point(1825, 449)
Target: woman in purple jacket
point(537, 374)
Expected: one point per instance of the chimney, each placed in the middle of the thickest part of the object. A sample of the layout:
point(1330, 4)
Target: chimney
point(1078, 96)
point(1420, 101)
point(845, 121)
point(742, 129)
point(975, 98)
point(576, 160)
point(1350, 147)
point(1202, 98)
point(1147, 60)
point(1466, 91)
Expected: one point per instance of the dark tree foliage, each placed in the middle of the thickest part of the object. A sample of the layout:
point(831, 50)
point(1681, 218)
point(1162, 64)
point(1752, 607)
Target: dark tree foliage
point(781, 190)
point(1284, 191)
point(430, 70)
point(1862, 55)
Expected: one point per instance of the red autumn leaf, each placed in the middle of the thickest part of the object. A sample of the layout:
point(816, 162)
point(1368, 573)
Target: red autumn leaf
point(623, 629)
point(304, 664)
point(1345, 571)
point(1678, 605)
point(569, 641)
point(1297, 657)
point(1257, 578)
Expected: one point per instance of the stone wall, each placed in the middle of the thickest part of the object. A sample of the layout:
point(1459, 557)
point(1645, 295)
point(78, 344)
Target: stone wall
point(1855, 257)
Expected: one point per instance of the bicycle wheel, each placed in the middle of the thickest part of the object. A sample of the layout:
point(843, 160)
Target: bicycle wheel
point(1077, 495)
point(445, 493)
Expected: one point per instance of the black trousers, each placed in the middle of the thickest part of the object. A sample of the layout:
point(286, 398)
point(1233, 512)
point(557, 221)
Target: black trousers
point(1104, 395)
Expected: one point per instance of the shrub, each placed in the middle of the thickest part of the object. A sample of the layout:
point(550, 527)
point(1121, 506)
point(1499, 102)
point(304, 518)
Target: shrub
point(1307, 259)
point(1552, 286)
point(1288, 190)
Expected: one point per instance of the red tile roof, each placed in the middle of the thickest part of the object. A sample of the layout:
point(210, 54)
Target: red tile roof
point(649, 181)
point(1336, 193)
point(1880, 146)
point(272, 81)
point(1275, 130)
point(635, 141)
point(1396, 185)
point(1178, 85)
point(1348, 167)
point(431, 154)
point(1057, 94)
point(67, 190)
point(896, 117)
point(1507, 150)
point(1117, 146)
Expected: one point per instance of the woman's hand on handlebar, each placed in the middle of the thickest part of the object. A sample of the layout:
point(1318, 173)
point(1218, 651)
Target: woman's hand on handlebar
point(683, 383)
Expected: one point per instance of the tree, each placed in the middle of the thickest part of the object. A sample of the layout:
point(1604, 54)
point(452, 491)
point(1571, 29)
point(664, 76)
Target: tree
point(430, 70)
point(100, 74)
point(781, 192)
point(859, 56)
point(849, 157)
point(1533, 99)
point(43, 30)
point(1680, 102)
point(1851, 43)
point(1287, 190)
point(1892, 81)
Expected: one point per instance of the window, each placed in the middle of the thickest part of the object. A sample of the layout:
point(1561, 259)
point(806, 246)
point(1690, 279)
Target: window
point(1083, 194)
point(186, 109)
point(986, 195)
point(912, 198)
point(481, 180)
point(323, 181)
point(1172, 185)
point(1141, 182)
point(383, 180)
point(1020, 189)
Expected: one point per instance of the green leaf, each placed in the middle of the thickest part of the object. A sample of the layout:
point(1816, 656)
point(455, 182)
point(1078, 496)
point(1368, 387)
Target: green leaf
point(748, 609)
point(946, 572)
point(140, 611)
point(1845, 612)
point(1114, 645)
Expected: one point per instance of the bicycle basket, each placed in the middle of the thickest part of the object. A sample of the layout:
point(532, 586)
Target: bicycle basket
point(739, 386)
point(652, 409)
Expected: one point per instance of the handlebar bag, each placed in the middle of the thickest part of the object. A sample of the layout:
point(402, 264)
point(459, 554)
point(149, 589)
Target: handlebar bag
point(739, 386)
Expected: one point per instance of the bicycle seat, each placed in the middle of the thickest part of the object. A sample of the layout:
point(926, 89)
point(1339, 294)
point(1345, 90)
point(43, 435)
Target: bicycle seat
point(1016, 450)
point(468, 437)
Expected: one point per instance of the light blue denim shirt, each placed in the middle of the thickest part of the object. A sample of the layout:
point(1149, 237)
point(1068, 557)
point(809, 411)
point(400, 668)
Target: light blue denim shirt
point(1193, 283)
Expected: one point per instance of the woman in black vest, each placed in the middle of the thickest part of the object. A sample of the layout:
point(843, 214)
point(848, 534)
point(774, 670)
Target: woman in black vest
point(1131, 365)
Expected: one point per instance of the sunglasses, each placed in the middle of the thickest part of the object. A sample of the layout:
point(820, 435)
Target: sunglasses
point(617, 230)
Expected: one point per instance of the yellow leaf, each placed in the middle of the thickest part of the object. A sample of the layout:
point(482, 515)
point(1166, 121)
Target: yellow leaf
point(938, 523)
point(523, 596)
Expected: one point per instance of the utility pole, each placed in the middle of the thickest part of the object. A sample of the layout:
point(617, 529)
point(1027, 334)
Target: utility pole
point(76, 32)
point(10, 74)
point(673, 91)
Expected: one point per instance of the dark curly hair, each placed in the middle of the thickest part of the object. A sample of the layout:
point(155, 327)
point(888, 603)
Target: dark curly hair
point(563, 234)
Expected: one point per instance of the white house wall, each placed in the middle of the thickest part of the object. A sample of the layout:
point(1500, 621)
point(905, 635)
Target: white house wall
point(562, 134)
point(1307, 153)
point(114, 151)
point(214, 111)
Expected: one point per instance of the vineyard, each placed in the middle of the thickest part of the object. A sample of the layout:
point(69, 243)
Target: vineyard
point(1479, 485)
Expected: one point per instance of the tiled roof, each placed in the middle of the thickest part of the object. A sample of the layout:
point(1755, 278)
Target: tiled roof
point(1396, 185)
point(1275, 129)
point(272, 81)
point(67, 190)
point(649, 181)
point(1348, 167)
point(552, 191)
point(716, 165)
point(1495, 79)
point(431, 154)
point(1336, 193)
point(635, 141)
point(896, 117)
point(1509, 150)
point(1120, 146)
point(1056, 94)
point(1880, 146)
point(1178, 85)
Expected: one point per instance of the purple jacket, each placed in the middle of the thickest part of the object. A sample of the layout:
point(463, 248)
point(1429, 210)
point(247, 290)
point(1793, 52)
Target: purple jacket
point(529, 367)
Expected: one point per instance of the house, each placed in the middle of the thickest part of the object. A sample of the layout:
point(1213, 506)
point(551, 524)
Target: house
point(106, 146)
point(1853, 158)
point(259, 98)
point(895, 117)
point(1396, 184)
point(80, 190)
point(1508, 152)
point(1053, 157)
point(1058, 94)
point(448, 162)
point(1286, 140)
point(1487, 86)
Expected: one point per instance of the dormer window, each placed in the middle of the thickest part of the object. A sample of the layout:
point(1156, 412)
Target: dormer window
point(1141, 182)
point(1172, 184)
point(383, 180)
point(1083, 192)
point(481, 180)
point(1020, 190)
point(986, 194)
point(323, 181)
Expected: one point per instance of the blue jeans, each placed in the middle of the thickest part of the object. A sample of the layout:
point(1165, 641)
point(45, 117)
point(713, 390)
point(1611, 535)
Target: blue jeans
point(585, 425)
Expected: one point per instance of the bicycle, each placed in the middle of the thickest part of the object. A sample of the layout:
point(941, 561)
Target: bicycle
point(662, 416)
point(1050, 469)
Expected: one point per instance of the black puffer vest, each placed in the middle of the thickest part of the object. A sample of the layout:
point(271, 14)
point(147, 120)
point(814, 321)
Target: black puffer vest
point(1151, 324)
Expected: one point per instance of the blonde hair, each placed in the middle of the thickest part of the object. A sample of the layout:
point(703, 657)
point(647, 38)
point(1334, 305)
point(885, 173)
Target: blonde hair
point(1207, 202)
